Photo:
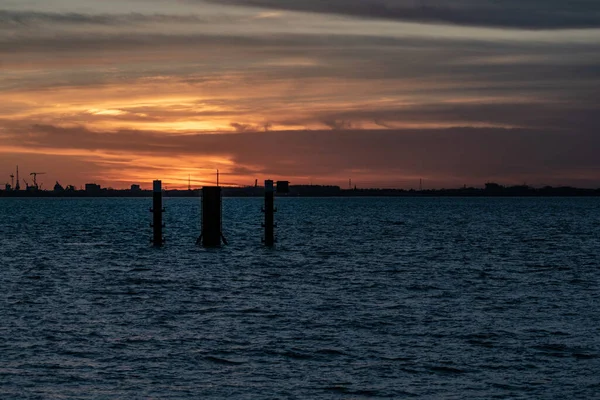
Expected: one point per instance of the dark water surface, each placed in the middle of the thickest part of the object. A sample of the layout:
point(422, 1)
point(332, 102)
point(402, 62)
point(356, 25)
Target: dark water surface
point(362, 298)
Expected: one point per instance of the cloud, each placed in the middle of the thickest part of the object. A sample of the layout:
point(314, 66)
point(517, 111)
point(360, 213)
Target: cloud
point(338, 125)
point(243, 127)
point(451, 156)
point(13, 19)
point(266, 127)
point(433, 64)
point(522, 14)
point(537, 115)
point(130, 85)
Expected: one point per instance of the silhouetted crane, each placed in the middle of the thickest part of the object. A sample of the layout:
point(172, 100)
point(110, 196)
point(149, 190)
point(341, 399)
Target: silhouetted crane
point(35, 174)
point(18, 185)
point(12, 181)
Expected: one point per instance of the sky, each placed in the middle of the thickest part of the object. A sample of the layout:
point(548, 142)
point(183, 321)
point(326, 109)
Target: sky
point(383, 92)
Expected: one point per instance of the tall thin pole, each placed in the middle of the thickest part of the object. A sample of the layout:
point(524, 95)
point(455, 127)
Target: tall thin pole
point(157, 212)
point(269, 211)
point(18, 185)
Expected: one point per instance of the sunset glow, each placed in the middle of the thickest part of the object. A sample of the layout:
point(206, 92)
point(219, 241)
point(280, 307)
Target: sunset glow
point(123, 92)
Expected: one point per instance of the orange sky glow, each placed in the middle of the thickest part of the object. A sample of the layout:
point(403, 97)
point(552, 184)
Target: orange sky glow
point(118, 94)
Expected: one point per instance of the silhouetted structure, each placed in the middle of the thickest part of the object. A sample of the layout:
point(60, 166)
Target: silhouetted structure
point(492, 187)
point(35, 183)
point(92, 188)
point(135, 188)
point(157, 212)
point(491, 190)
point(17, 185)
point(283, 187)
point(269, 211)
point(212, 233)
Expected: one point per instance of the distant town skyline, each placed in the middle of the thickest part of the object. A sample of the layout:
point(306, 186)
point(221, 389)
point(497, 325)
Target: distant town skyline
point(383, 92)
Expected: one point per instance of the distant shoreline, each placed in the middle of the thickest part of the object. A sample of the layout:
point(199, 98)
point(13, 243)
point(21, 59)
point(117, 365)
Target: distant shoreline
point(491, 190)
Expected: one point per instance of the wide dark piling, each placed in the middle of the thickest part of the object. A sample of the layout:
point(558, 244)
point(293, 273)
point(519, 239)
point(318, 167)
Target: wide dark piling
point(157, 214)
point(212, 233)
point(269, 211)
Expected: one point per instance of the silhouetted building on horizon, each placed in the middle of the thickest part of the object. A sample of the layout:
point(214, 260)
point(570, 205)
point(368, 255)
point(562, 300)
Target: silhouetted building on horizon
point(493, 187)
point(92, 188)
point(283, 187)
point(314, 190)
point(58, 188)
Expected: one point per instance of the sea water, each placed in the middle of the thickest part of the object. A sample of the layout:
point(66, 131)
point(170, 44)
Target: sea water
point(445, 298)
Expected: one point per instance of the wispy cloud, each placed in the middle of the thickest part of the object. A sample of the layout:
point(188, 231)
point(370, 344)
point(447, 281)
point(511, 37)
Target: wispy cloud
point(523, 14)
point(12, 19)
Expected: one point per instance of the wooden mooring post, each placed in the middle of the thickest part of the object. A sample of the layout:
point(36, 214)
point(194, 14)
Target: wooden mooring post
point(212, 233)
point(269, 210)
point(157, 214)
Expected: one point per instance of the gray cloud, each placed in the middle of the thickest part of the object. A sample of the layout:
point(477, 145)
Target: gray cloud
point(348, 57)
point(550, 115)
point(400, 51)
point(135, 42)
point(561, 92)
point(525, 14)
point(32, 18)
point(522, 14)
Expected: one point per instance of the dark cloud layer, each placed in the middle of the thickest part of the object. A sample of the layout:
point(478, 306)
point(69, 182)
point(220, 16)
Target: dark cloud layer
point(525, 14)
point(31, 18)
point(539, 116)
point(458, 155)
